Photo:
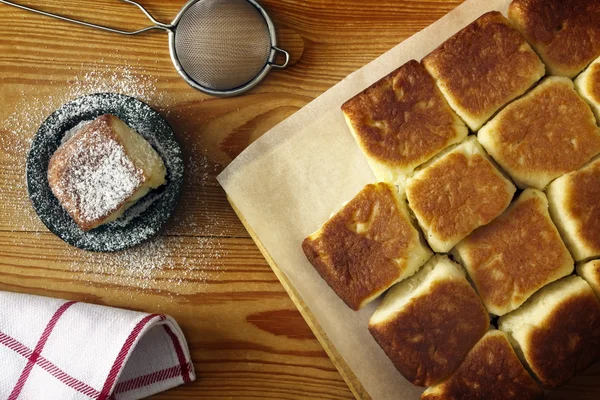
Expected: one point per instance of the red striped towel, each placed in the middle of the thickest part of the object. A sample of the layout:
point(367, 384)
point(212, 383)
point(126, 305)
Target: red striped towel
point(58, 349)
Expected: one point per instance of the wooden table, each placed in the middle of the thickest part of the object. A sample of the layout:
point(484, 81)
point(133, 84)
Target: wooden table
point(246, 336)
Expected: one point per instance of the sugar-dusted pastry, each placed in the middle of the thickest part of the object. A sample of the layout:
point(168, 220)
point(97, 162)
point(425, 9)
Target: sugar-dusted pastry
point(483, 67)
point(402, 121)
point(491, 371)
point(547, 133)
point(590, 271)
point(557, 331)
point(515, 255)
point(575, 207)
point(367, 246)
point(565, 33)
point(456, 193)
point(588, 87)
point(427, 323)
point(102, 170)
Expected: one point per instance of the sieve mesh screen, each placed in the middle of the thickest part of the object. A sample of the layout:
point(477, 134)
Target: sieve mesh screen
point(222, 44)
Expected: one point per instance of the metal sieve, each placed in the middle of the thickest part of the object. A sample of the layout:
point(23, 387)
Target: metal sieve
point(220, 47)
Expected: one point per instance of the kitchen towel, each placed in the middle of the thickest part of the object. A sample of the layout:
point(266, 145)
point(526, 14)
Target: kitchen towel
point(58, 349)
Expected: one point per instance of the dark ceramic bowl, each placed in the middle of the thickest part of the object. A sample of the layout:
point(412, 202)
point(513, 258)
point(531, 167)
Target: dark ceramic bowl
point(140, 222)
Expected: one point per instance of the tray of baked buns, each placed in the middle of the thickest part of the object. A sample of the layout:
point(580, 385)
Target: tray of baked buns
point(436, 215)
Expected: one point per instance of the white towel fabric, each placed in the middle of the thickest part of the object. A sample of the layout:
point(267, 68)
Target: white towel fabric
point(57, 349)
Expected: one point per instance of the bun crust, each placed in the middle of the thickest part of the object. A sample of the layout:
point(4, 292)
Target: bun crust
point(402, 121)
point(483, 67)
point(102, 170)
point(566, 33)
point(588, 87)
point(557, 331)
point(428, 323)
point(457, 193)
point(575, 208)
point(590, 271)
point(490, 371)
point(516, 254)
point(367, 246)
point(547, 133)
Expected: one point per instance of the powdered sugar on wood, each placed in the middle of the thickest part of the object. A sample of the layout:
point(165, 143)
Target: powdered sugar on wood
point(155, 265)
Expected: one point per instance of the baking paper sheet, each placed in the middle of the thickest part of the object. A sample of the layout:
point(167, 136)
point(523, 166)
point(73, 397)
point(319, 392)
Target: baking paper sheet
point(288, 182)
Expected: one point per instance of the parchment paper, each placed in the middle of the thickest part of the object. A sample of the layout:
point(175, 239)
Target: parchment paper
point(289, 181)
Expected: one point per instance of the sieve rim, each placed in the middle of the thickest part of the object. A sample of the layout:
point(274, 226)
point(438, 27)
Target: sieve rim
point(269, 64)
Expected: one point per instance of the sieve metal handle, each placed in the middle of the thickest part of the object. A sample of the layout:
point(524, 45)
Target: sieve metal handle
point(274, 51)
point(157, 24)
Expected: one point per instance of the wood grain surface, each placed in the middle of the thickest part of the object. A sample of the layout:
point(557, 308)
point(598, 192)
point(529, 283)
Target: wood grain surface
point(247, 337)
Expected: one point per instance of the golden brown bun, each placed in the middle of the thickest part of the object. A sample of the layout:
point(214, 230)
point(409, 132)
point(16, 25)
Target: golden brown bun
point(557, 331)
point(491, 371)
point(102, 170)
point(575, 207)
point(402, 121)
point(367, 246)
point(457, 193)
point(427, 323)
point(483, 67)
point(590, 271)
point(547, 133)
point(565, 33)
point(516, 254)
point(588, 87)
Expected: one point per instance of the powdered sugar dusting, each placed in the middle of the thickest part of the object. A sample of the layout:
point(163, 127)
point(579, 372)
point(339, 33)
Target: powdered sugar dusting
point(137, 209)
point(74, 130)
point(155, 265)
point(32, 105)
point(100, 177)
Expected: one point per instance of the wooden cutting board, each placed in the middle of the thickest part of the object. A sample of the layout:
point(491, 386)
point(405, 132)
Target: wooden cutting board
point(353, 383)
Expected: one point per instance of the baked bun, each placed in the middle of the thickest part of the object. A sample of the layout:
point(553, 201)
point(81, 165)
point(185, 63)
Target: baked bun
point(547, 133)
point(367, 246)
point(557, 331)
point(483, 67)
point(590, 271)
point(402, 121)
point(588, 87)
point(515, 255)
point(575, 207)
point(456, 193)
point(102, 170)
point(491, 371)
point(427, 323)
point(565, 33)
